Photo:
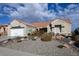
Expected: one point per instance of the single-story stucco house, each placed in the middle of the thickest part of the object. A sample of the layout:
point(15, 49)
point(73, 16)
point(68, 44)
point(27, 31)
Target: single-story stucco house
point(19, 28)
point(61, 26)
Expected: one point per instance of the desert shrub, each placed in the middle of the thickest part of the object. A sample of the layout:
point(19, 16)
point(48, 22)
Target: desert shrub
point(46, 37)
point(37, 33)
point(77, 38)
point(75, 35)
point(52, 33)
point(32, 33)
point(76, 44)
point(60, 46)
point(76, 31)
point(29, 34)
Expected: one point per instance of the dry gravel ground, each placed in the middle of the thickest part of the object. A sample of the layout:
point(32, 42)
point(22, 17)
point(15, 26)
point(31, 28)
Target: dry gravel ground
point(11, 52)
point(42, 48)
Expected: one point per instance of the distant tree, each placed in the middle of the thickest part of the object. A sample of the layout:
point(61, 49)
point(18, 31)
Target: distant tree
point(76, 31)
point(75, 34)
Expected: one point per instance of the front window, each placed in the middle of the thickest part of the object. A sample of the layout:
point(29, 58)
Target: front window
point(60, 27)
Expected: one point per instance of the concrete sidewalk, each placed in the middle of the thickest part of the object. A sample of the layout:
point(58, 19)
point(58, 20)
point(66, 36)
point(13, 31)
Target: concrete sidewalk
point(10, 52)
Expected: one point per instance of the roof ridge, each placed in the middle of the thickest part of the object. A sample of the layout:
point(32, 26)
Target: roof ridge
point(22, 21)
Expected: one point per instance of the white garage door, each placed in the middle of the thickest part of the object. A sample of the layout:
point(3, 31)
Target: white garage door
point(56, 30)
point(17, 32)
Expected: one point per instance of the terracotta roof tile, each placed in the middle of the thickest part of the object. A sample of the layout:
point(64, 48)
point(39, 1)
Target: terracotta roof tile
point(40, 24)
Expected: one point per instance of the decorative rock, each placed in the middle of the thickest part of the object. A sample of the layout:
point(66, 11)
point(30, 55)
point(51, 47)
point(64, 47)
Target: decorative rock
point(22, 39)
point(66, 45)
point(5, 41)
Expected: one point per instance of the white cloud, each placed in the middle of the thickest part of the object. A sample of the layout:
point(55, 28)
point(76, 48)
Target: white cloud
point(37, 12)
point(71, 6)
point(33, 12)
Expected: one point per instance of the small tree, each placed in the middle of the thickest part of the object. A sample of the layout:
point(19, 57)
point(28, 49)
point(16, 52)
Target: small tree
point(75, 34)
point(76, 31)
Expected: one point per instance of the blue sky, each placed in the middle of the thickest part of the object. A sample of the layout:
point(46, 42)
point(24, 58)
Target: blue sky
point(39, 12)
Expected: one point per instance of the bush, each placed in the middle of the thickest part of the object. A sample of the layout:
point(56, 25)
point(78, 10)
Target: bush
point(76, 31)
point(60, 46)
point(28, 34)
point(37, 33)
point(77, 38)
point(32, 33)
point(76, 44)
point(46, 37)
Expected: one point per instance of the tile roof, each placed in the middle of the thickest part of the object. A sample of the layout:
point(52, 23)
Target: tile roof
point(40, 24)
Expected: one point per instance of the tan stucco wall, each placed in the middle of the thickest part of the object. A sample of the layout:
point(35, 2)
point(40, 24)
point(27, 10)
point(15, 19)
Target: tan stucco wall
point(65, 30)
point(17, 23)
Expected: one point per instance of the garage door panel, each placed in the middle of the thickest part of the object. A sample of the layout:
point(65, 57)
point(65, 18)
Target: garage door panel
point(17, 32)
point(56, 30)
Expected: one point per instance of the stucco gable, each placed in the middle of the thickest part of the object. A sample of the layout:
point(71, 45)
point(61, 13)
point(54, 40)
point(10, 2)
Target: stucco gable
point(61, 20)
point(20, 22)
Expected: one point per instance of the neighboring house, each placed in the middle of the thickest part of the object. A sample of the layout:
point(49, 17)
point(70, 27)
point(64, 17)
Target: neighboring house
point(41, 25)
point(19, 28)
point(60, 26)
point(3, 30)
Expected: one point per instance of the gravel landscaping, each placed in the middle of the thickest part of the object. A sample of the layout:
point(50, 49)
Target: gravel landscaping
point(38, 47)
point(11, 52)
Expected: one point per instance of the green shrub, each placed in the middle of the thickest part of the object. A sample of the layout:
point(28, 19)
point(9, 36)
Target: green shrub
point(46, 37)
